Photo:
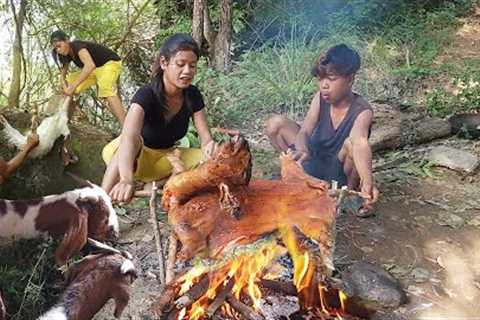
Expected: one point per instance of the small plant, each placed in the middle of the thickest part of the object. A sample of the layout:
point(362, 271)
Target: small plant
point(440, 102)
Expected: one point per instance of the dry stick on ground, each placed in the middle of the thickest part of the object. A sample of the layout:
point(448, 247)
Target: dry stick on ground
point(247, 312)
point(172, 255)
point(219, 299)
point(156, 230)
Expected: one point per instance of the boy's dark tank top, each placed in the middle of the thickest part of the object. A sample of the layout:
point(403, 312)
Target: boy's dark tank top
point(326, 142)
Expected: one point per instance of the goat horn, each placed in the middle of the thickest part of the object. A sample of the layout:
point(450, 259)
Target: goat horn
point(103, 246)
point(79, 180)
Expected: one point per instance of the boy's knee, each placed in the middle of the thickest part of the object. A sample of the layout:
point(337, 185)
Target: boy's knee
point(274, 123)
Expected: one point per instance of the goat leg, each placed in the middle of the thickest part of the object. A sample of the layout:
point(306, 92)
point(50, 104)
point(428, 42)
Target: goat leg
point(122, 296)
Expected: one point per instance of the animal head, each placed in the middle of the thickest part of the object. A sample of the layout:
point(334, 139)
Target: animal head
point(232, 159)
point(102, 218)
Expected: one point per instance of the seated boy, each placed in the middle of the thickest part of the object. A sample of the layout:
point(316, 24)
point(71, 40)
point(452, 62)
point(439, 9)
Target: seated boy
point(332, 143)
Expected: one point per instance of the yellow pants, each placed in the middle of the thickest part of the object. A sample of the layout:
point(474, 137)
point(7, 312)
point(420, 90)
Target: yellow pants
point(152, 164)
point(105, 77)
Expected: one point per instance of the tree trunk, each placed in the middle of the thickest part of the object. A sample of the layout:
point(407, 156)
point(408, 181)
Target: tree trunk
point(223, 41)
point(197, 23)
point(14, 94)
point(209, 33)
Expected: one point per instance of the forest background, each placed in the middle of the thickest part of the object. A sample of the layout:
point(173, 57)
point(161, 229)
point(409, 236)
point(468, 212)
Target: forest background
point(257, 60)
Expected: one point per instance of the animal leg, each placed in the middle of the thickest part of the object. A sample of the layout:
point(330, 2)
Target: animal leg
point(122, 296)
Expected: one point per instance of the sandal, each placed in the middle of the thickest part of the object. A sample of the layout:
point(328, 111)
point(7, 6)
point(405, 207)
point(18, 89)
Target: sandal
point(352, 204)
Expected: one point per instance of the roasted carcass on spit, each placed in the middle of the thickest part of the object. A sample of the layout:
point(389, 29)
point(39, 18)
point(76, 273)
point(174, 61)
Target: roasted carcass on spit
point(196, 207)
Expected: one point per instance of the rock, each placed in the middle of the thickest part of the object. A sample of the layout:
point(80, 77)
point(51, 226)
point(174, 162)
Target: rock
point(455, 159)
point(373, 286)
point(450, 220)
point(420, 275)
point(475, 221)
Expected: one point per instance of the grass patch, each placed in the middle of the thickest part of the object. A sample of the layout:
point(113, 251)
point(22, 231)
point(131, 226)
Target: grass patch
point(27, 277)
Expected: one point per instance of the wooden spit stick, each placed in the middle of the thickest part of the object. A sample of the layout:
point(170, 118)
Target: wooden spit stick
point(156, 230)
point(172, 256)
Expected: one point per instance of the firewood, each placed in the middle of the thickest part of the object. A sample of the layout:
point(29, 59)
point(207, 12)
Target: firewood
point(156, 230)
point(247, 312)
point(286, 288)
point(172, 254)
point(220, 298)
point(145, 193)
point(192, 295)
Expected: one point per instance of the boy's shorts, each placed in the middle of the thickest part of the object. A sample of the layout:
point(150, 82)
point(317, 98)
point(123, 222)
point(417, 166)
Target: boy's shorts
point(152, 164)
point(105, 77)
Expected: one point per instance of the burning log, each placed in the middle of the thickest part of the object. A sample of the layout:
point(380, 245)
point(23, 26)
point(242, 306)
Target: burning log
point(197, 290)
point(286, 288)
point(247, 312)
point(220, 298)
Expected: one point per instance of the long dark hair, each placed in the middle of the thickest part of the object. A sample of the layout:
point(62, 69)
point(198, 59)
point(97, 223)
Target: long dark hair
point(59, 35)
point(175, 43)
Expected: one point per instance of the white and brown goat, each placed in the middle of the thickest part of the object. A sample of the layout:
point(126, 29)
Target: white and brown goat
point(75, 214)
point(93, 281)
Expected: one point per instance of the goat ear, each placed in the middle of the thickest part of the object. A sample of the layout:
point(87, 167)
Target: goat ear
point(74, 239)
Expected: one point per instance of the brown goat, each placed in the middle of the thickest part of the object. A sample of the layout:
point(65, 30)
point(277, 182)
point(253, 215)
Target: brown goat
point(93, 281)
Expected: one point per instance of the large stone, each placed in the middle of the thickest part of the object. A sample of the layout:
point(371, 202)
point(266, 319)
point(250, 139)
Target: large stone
point(373, 286)
point(452, 158)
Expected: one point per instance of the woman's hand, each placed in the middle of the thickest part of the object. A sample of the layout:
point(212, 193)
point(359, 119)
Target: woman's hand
point(123, 191)
point(209, 149)
point(69, 90)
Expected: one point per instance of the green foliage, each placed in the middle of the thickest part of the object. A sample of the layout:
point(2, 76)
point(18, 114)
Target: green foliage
point(464, 98)
point(274, 78)
point(27, 278)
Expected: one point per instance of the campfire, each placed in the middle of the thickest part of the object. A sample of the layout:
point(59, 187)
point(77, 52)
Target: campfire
point(237, 234)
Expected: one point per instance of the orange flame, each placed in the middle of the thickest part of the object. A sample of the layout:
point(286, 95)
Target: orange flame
point(245, 268)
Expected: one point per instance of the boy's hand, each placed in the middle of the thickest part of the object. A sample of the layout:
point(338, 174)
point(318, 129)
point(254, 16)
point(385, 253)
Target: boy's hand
point(370, 195)
point(298, 155)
